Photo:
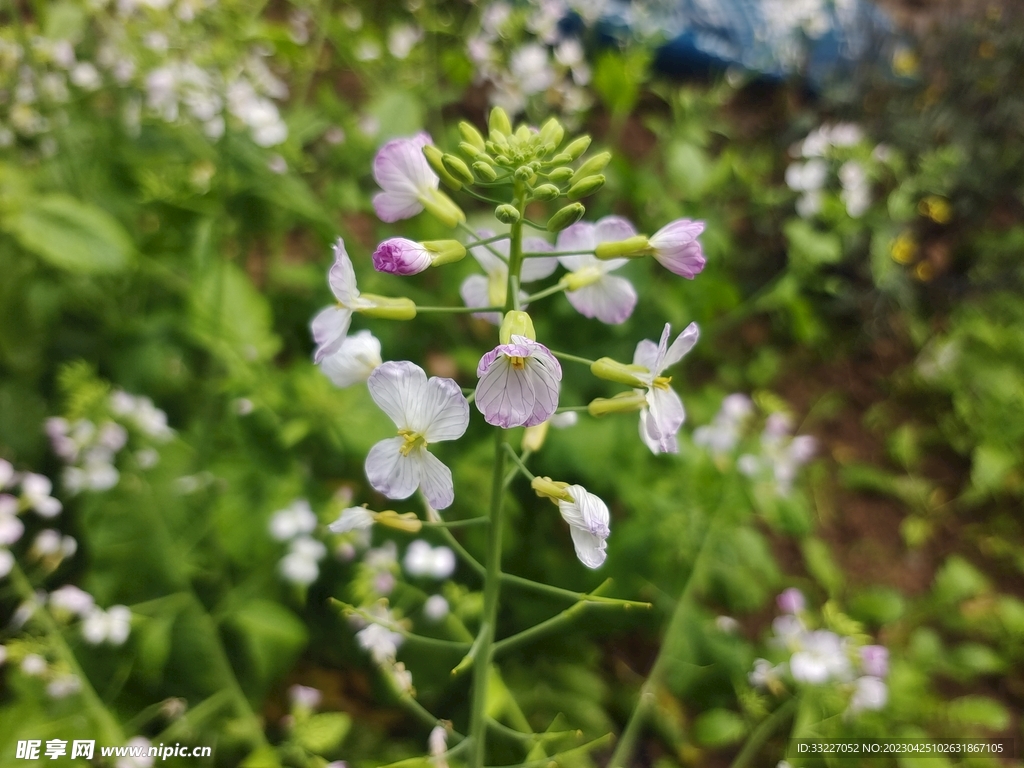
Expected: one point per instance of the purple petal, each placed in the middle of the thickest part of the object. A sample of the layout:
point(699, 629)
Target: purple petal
point(677, 249)
point(397, 387)
point(611, 299)
point(391, 473)
point(329, 328)
point(394, 206)
point(342, 277)
point(435, 480)
point(399, 256)
point(475, 293)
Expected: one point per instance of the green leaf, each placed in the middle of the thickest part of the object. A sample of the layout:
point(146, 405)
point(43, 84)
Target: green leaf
point(322, 733)
point(989, 467)
point(977, 659)
point(878, 605)
point(719, 727)
point(399, 112)
point(809, 248)
point(978, 711)
point(231, 317)
point(263, 757)
point(958, 580)
point(70, 234)
point(154, 644)
point(822, 565)
point(271, 635)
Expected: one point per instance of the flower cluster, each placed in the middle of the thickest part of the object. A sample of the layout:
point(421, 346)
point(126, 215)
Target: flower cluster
point(159, 54)
point(837, 151)
point(816, 657)
point(294, 525)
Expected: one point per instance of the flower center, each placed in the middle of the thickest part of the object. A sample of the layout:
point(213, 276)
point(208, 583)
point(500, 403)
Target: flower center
point(519, 363)
point(662, 382)
point(413, 440)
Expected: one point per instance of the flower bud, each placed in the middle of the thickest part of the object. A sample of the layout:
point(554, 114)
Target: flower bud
point(585, 187)
point(442, 208)
point(624, 402)
point(613, 370)
point(506, 214)
point(485, 170)
point(407, 522)
point(516, 323)
point(560, 175)
point(631, 246)
point(457, 168)
point(523, 133)
point(552, 133)
point(562, 158)
point(594, 165)
point(546, 192)
point(469, 150)
point(444, 251)
point(471, 135)
point(434, 160)
point(547, 488)
point(399, 256)
point(389, 307)
point(577, 147)
point(566, 217)
point(499, 123)
point(524, 173)
point(533, 437)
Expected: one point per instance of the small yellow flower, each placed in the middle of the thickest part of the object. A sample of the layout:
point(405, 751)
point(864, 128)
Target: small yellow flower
point(904, 249)
point(936, 208)
point(924, 272)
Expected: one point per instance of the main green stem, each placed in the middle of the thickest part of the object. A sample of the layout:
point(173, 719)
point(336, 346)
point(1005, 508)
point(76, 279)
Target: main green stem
point(492, 566)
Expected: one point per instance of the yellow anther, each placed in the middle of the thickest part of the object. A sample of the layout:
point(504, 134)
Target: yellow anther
point(519, 363)
point(413, 440)
point(663, 382)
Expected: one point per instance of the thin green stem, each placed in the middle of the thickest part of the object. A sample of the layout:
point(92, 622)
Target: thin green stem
point(470, 231)
point(109, 728)
point(462, 552)
point(571, 408)
point(541, 254)
point(572, 358)
point(762, 732)
point(531, 738)
point(515, 457)
point(556, 288)
point(483, 198)
point(455, 310)
point(487, 240)
point(548, 589)
point(492, 586)
point(648, 691)
point(559, 759)
point(425, 715)
point(534, 224)
point(514, 472)
point(456, 523)
point(434, 642)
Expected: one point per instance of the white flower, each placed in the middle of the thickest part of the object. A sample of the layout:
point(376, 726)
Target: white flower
point(6, 562)
point(380, 641)
point(664, 414)
point(870, 693)
point(300, 565)
point(588, 521)
point(33, 664)
point(111, 626)
point(425, 411)
point(807, 177)
point(144, 760)
point(304, 696)
point(6, 474)
point(856, 192)
point(296, 519)
point(35, 492)
point(330, 326)
point(723, 433)
point(437, 745)
point(530, 65)
point(403, 173)
point(765, 673)
point(72, 599)
point(11, 528)
point(86, 76)
point(351, 519)
point(435, 608)
point(353, 361)
point(63, 686)
point(402, 39)
point(421, 559)
point(822, 657)
point(593, 292)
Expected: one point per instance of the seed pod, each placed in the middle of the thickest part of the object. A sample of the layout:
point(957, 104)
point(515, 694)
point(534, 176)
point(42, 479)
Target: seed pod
point(485, 170)
point(506, 214)
point(594, 165)
point(577, 147)
point(560, 175)
point(499, 123)
point(585, 187)
point(566, 217)
point(457, 168)
point(471, 135)
point(434, 160)
point(546, 192)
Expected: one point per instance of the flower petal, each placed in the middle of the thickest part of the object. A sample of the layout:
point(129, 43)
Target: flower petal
point(435, 479)
point(646, 354)
point(353, 361)
point(329, 328)
point(475, 293)
point(342, 277)
point(394, 206)
point(396, 387)
point(611, 299)
point(613, 228)
point(484, 254)
point(400, 167)
point(443, 412)
point(505, 395)
point(391, 473)
point(683, 344)
point(537, 268)
point(666, 417)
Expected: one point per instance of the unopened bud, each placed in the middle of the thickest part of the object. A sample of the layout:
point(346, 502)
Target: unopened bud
point(498, 122)
point(562, 158)
point(444, 251)
point(469, 150)
point(533, 437)
point(585, 187)
point(516, 323)
point(443, 208)
point(613, 370)
point(577, 147)
point(435, 159)
point(389, 307)
point(637, 245)
point(506, 214)
point(457, 168)
point(485, 170)
point(624, 402)
point(552, 133)
point(546, 192)
point(560, 175)
point(547, 488)
point(471, 135)
point(407, 522)
point(524, 173)
point(523, 133)
point(594, 165)
point(566, 217)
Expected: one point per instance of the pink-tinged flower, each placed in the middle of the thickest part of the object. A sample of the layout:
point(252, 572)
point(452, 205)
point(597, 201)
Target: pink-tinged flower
point(425, 411)
point(874, 659)
point(869, 694)
point(403, 173)
point(588, 520)
point(489, 290)
point(664, 414)
point(791, 601)
point(399, 256)
point(594, 292)
point(820, 658)
point(331, 324)
point(353, 361)
point(518, 384)
point(677, 249)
